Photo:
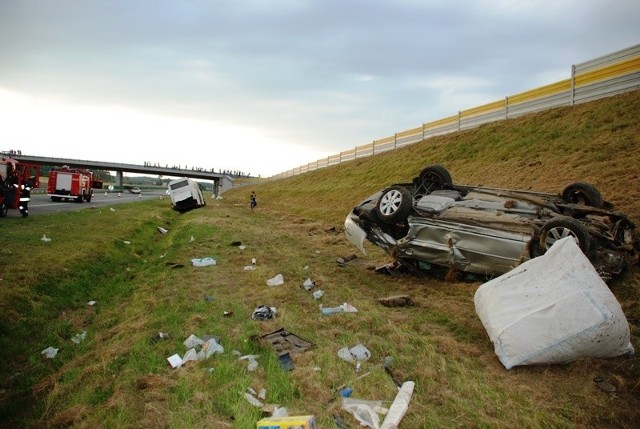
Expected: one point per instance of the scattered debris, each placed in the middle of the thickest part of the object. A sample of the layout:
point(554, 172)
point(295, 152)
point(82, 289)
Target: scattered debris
point(203, 262)
point(318, 294)
point(174, 265)
point(77, 338)
point(227, 314)
point(276, 281)
point(91, 303)
point(302, 422)
point(386, 364)
point(127, 242)
point(283, 341)
point(162, 230)
point(208, 298)
point(249, 268)
point(604, 385)
point(552, 309)
point(344, 308)
point(252, 362)
point(396, 301)
point(354, 354)
point(308, 284)
point(50, 352)
point(198, 350)
point(286, 362)
point(399, 406)
point(45, 238)
point(192, 239)
point(342, 261)
point(393, 269)
point(112, 209)
point(346, 392)
point(365, 412)
point(339, 422)
point(264, 312)
point(236, 243)
point(160, 336)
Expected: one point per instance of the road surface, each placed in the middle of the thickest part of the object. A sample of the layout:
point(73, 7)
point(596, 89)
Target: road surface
point(42, 204)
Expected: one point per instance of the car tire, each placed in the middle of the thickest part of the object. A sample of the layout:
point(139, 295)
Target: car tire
point(582, 193)
point(394, 205)
point(433, 178)
point(562, 227)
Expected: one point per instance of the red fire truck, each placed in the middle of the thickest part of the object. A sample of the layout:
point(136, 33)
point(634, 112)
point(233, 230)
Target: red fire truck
point(16, 181)
point(70, 184)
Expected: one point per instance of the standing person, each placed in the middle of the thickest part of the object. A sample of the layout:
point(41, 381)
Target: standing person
point(252, 200)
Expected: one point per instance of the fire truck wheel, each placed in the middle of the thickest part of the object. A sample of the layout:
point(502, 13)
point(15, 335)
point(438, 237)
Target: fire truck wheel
point(88, 198)
point(3, 210)
point(80, 198)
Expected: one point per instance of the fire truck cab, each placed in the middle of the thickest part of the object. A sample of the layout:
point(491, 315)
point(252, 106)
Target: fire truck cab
point(17, 179)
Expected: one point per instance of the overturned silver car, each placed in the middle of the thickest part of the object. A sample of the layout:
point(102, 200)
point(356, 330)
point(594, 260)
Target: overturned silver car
point(431, 224)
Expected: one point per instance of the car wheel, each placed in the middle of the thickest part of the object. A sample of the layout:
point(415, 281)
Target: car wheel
point(394, 205)
point(3, 210)
point(433, 178)
point(562, 227)
point(582, 193)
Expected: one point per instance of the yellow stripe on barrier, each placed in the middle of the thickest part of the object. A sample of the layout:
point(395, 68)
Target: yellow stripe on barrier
point(543, 91)
point(486, 108)
point(441, 122)
point(608, 72)
point(383, 141)
point(410, 133)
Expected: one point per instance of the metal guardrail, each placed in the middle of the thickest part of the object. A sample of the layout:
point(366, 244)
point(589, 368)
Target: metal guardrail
point(601, 77)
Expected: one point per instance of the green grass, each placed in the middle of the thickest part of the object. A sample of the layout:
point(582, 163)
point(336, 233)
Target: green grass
point(119, 376)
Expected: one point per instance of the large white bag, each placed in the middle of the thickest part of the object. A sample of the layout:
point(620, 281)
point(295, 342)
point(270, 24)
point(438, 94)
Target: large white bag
point(552, 309)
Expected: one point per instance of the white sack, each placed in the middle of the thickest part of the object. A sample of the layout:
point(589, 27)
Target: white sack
point(552, 309)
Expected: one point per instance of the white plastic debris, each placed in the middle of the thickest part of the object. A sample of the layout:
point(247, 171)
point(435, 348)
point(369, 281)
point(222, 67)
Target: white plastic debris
point(91, 303)
point(354, 354)
point(276, 281)
point(191, 354)
point(45, 238)
point(318, 294)
point(252, 400)
point(112, 209)
point(262, 394)
point(209, 348)
point(50, 352)
point(192, 341)
point(203, 262)
point(252, 362)
point(399, 406)
point(77, 338)
point(162, 230)
point(175, 361)
point(192, 239)
point(308, 284)
point(249, 268)
point(552, 309)
point(242, 247)
point(127, 242)
point(365, 411)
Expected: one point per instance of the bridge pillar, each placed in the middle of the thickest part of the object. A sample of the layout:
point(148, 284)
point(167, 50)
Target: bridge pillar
point(119, 179)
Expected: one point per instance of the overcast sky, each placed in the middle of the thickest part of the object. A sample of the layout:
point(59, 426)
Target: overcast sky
point(264, 86)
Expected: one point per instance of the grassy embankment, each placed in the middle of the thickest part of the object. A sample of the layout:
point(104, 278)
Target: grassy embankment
point(118, 377)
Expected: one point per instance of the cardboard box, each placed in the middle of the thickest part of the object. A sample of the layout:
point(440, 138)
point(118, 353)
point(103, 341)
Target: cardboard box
point(291, 422)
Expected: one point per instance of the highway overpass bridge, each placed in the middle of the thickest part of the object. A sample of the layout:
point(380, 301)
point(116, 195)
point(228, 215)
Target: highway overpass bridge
point(221, 182)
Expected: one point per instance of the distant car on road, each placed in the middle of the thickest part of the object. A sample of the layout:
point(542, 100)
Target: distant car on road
point(432, 222)
point(134, 190)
